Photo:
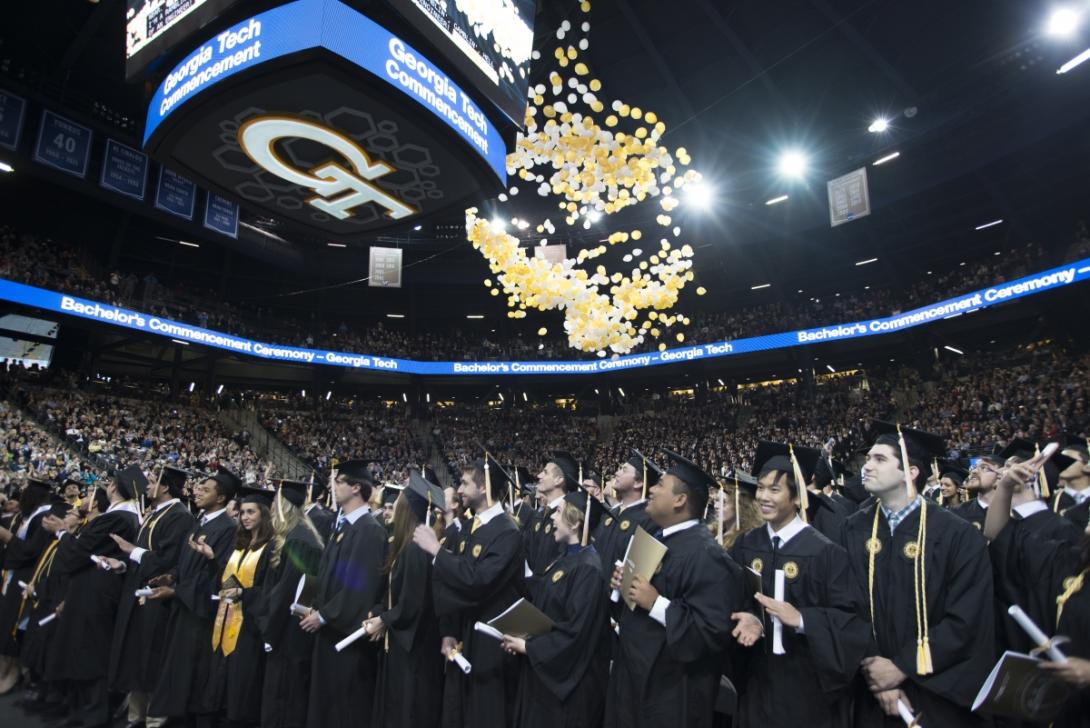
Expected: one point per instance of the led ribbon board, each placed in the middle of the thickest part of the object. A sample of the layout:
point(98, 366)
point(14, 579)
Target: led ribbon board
point(301, 75)
point(64, 304)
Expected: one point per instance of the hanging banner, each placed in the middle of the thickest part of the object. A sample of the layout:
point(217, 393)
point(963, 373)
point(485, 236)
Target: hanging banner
point(849, 198)
point(12, 111)
point(63, 144)
point(175, 194)
point(385, 268)
point(221, 215)
point(124, 170)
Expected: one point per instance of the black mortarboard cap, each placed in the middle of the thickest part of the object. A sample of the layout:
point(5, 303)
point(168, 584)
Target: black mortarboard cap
point(954, 470)
point(1062, 462)
point(174, 479)
point(777, 456)
point(229, 483)
point(579, 498)
point(250, 494)
point(131, 482)
point(524, 480)
point(356, 470)
point(59, 507)
point(569, 466)
point(745, 481)
point(1020, 448)
point(390, 492)
point(293, 491)
point(689, 473)
point(654, 472)
point(417, 494)
point(922, 446)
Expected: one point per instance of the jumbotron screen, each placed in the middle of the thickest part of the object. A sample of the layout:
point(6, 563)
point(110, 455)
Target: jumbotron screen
point(153, 26)
point(488, 40)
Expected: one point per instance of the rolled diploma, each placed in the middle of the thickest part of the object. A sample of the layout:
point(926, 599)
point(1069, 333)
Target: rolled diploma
point(350, 638)
point(1035, 634)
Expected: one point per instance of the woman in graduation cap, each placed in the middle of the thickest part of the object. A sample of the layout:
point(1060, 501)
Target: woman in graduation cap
point(735, 510)
point(295, 551)
point(410, 680)
point(670, 651)
point(565, 671)
point(236, 632)
point(813, 640)
point(1052, 581)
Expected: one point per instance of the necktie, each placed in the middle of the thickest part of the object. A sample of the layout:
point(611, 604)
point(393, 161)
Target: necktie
point(341, 520)
point(476, 525)
point(775, 550)
point(204, 520)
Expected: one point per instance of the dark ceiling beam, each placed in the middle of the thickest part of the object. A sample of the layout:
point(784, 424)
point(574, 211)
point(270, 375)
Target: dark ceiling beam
point(848, 31)
point(657, 59)
point(85, 36)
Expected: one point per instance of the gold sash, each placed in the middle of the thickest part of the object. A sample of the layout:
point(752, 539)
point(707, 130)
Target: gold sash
point(242, 565)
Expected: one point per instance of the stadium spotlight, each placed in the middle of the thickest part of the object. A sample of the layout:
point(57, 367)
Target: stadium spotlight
point(879, 125)
point(700, 195)
point(793, 164)
point(1063, 22)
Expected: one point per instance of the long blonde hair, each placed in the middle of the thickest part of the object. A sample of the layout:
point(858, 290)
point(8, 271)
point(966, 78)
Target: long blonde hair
point(285, 517)
point(404, 523)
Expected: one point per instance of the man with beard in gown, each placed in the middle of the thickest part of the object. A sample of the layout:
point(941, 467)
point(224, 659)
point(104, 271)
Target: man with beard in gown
point(630, 483)
point(81, 654)
point(923, 580)
point(183, 688)
point(667, 665)
point(137, 649)
point(349, 585)
point(476, 584)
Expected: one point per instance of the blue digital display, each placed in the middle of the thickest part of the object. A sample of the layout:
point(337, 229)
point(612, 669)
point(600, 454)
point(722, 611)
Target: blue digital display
point(12, 111)
point(328, 24)
point(53, 301)
point(124, 170)
point(175, 194)
point(63, 144)
point(221, 215)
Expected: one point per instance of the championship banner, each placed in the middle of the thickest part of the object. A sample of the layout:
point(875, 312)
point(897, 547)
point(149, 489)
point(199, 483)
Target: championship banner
point(385, 268)
point(221, 215)
point(175, 194)
point(849, 197)
point(53, 301)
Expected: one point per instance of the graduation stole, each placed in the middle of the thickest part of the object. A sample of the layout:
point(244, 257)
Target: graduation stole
point(44, 564)
point(242, 565)
point(1071, 585)
point(151, 519)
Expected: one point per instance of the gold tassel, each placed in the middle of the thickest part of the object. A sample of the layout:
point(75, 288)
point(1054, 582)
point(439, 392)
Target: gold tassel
point(804, 498)
point(737, 506)
point(910, 489)
point(586, 520)
point(1042, 480)
point(644, 477)
point(487, 481)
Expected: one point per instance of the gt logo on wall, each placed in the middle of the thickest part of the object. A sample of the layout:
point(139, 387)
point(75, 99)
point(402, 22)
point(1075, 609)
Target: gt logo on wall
point(337, 190)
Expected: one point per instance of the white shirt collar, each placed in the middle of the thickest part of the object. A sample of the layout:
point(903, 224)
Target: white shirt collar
point(489, 513)
point(357, 514)
point(1028, 509)
point(21, 533)
point(555, 502)
point(981, 503)
point(788, 532)
point(679, 527)
point(168, 504)
point(1078, 495)
point(206, 517)
point(124, 506)
point(630, 505)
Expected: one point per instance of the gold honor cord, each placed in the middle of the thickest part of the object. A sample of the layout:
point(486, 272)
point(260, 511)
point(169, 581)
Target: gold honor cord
point(873, 547)
point(1071, 586)
point(919, 576)
point(804, 499)
point(586, 520)
point(644, 476)
point(487, 481)
point(737, 505)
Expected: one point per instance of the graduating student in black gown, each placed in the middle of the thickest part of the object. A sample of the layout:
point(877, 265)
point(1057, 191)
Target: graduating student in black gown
point(237, 644)
point(183, 688)
point(563, 676)
point(630, 483)
point(136, 652)
point(814, 652)
point(349, 586)
point(319, 515)
point(453, 540)
point(981, 486)
point(86, 624)
point(560, 475)
point(410, 685)
point(476, 584)
point(1073, 499)
point(671, 647)
point(945, 614)
point(296, 551)
point(24, 543)
point(1050, 580)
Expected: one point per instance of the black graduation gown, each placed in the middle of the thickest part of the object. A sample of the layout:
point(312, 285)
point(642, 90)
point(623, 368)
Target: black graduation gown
point(323, 519)
point(972, 512)
point(183, 686)
point(450, 625)
point(615, 531)
point(826, 515)
point(240, 676)
point(476, 584)
point(350, 584)
point(20, 557)
point(1038, 569)
point(85, 626)
point(410, 685)
point(286, 688)
point(541, 548)
point(819, 665)
point(48, 593)
point(563, 677)
point(670, 675)
point(959, 609)
point(140, 631)
point(1065, 505)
